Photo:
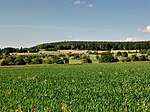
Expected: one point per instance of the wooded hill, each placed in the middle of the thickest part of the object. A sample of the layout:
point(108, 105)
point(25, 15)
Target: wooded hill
point(82, 45)
point(94, 45)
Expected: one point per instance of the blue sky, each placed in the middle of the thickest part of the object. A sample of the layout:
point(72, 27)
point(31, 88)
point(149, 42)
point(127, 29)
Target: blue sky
point(24, 23)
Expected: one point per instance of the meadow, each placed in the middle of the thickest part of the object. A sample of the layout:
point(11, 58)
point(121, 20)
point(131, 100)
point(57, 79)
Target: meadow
point(107, 87)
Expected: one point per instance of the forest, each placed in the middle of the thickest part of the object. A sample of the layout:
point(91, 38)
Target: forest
point(94, 45)
point(81, 45)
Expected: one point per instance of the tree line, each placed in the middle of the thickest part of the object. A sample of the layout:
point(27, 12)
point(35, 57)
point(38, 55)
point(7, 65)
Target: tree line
point(81, 45)
point(6, 60)
point(104, 57)
point(94, 45)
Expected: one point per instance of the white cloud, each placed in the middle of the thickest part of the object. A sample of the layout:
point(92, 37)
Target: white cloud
point(77, 2)
point(133, 39)
point(147, 29)
point(129, 39)
point(83, 3)
point(90, 5)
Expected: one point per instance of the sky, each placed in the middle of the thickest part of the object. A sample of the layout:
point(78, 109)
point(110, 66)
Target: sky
point(26, 23)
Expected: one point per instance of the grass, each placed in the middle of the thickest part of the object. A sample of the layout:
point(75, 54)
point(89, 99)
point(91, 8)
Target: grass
point(118, 87)
point(75, 61)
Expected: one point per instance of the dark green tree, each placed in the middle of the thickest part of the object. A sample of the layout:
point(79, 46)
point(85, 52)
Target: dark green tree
point(37, 61)
point(49, 61)
point(86, 59)
point(119, 53)
point(107, 57)
point(143, 58)
point(19, 61)
point(66, 60)
point(124, 54)
point(60, 61)
point(134, 58)
point(3, 62)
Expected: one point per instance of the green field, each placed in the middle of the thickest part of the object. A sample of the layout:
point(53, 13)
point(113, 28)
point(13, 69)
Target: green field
point(119, 87)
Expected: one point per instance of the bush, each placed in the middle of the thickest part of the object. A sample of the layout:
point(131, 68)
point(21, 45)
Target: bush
point(128, 59)
point(69, 54)
point(55, 58)
point(143, 51)
point(125, 59)
point(107, 57)
point(124, 54)
point(60, 61)
point(10, 60)
point(143, 58)
point(97, 57)
point(86, 59)
point(96, 52)
point(6, 53)
point(49, 61)
point(28, 59)
point(90, 52)
point(37, 61)
point(119, 53)
point(66, 60)
point(61, 55)
point(148, 52)
point(19, 61)
point(76, 56)
point(3, 62)
point(134, 58)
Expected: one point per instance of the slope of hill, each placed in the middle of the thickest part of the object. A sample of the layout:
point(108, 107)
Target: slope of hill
point(94, 45)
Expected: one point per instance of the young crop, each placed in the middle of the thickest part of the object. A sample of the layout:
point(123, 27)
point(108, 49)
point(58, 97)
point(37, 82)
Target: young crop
point(105, 87)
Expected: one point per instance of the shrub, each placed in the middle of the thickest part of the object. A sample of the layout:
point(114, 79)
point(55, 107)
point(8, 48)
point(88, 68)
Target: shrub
point(118, 53)
point(69, 54)
point(143, 58)
point(10, 60)
point(96, 52)
point(90, 52)
point(61, 55)
point(76, 56)
point(107, 57)
point(3, 62)
point(134, 58)
point(124, 54)
point(19, 61)
point(148, 52)
point(37, 61)
point(97, 57)
point(143, 51)
point(125, 59)
point(128, 59)
point(60, 61)
point(28, 59)
point(49, 61)
point(66, 60)
point(55, 58)
point(6, 52)
point(86, 59)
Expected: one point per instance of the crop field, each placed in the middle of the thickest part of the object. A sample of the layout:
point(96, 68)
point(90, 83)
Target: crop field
point(119, 87)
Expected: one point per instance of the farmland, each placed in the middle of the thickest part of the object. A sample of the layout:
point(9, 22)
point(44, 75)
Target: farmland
point(75, 88)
